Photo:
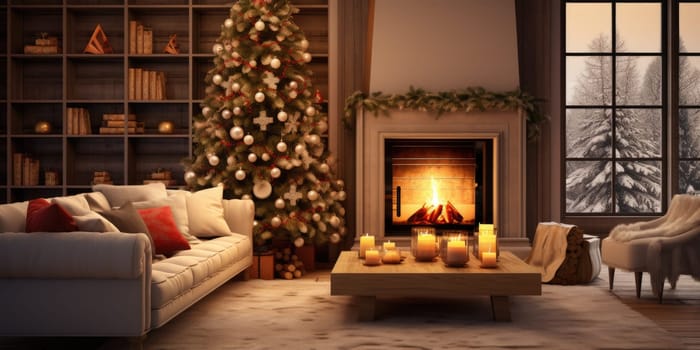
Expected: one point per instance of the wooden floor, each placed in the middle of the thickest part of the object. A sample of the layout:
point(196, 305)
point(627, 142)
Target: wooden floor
point(679, 313)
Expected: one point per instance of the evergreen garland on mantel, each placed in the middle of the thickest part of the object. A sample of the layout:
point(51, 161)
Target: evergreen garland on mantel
point(467, 100)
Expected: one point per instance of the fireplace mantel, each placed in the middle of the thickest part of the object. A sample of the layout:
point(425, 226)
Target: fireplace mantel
point(506, 129)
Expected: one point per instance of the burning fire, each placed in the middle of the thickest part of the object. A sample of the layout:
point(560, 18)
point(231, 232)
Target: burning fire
point(436, 198)
point(433, 214)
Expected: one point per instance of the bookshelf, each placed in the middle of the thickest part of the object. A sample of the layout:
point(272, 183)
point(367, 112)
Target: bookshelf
point(49, 87)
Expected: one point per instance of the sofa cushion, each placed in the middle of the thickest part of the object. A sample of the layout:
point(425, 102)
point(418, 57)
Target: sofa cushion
point(128, 220)
point(43, 216)
point(206, 213)
point(97, 201)
point(118, 195)
point(162, 228)
point(178, 206)
point(94, 222)
point(74, 205)
point(13, 217)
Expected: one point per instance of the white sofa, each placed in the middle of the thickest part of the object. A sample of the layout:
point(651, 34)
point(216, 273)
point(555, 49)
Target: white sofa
point(109, 283)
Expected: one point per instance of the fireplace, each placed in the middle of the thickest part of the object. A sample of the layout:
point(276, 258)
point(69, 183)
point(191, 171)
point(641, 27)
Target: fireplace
point(499, 140)
point(446, 184)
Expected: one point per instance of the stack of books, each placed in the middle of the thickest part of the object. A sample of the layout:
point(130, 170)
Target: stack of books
point(116, 124)
point(78, 121)
point(140, 38)
point(101, 177)
point(146, 84)
point(43, 46)
point(25, 170)
point(162, 176)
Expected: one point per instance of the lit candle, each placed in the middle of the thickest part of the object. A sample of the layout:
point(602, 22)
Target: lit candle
point(391, 256)
point(456, 252)
point(425, 247)
point(486, 229)
point(488, 259)
point(366, 242)
point(372, 257)
point(487, 243)
point(389, 245)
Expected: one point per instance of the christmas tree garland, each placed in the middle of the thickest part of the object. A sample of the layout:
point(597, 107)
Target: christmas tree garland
point(467, 100)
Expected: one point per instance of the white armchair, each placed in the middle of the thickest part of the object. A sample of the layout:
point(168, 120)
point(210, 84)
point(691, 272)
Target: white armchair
point(666, 247)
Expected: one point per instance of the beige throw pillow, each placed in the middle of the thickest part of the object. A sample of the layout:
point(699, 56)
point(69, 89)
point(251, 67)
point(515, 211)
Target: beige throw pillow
point(206, 213)
point(118, 195)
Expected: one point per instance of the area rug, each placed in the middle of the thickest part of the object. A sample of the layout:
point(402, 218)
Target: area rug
point(301, 314)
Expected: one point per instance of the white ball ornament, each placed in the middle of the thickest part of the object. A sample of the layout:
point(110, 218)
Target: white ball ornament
point(279, 203)
point(312, 195)
point(316, 217)
point(237, 110)
point(293, 85)
point(259, 96)
point(299, 149)
point(190, 176)
point(248, 139)
point(275, 63)
point(240, 175)
point(259, 25)
point(310, 111)
point(342, 195)
point(252, 157)
point(304, 44)
point(276, 222)
point(335, 238)
point(265, 157)
point(206, 111)
point(275, 172)
point(236, 133)
point(340, 183)
point(314, 139)
point(298, 242)
point(292, 94)
point(306, 57)
point(217, 79)
point(228, 23)
point(262, 189)
point(282, 116)
point(252, 63)
point(217, 48)
point(324, 168)
point(281, 147)
point(334, 221)
point(236, 87)
point(226, 114)
point(231, 160)
point(213, 160)
point(322, 127)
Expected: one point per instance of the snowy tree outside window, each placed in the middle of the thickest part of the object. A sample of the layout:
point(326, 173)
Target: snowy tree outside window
point(616, 112)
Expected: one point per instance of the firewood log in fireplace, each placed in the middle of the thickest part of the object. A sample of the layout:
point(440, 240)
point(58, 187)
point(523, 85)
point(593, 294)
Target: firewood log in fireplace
point(429, 214)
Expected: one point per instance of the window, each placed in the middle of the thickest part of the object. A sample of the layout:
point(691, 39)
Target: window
point(618, 56)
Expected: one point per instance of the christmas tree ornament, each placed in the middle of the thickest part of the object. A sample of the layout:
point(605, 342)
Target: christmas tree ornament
point(228, 23)
point(213, 160)
point(279, 203)
point(275, 172)
point(292, 94)
point(252, 157)
point(304, 44)
point(340, 183)
point(334, 238)
point(270, 80)
point(217, 48)
point(190, 176)
point(217, 79)
point(318, 98)
point(248, 139)
point(306, 57)
point(237, 110)
point(246, 196)
point(276, 222)
point(299, 149)
point(240, 175)
point(265, 157)
point(226, 114)
point(292, 195)
point(282, 116)
point(275, 63)
point(237, 133)
point(263, 120)
point(342, 195)
point(231, 160)
point(334, 221)
point(262, 189)
point(314, 139)
point(259, 25)
point(324, 168)
point(236, 87)
point(322, 226)
point(316, 217)
point(299, 242)
point(252, 63)
point(293, 85)
point(259, 96)
point(312, 195)
point(334, 195)
point(206, 111)
point(310, 111)
point(322, 127)
point(281, 147)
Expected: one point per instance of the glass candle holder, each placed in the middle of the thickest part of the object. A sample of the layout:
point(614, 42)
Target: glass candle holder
point(391, 255)
point(424, 245)
point(486, 240)
point(454, 249)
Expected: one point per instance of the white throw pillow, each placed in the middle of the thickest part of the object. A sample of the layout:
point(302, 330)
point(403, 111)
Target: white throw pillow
point(75, 205)
point(178, 204)
point(206, 213)
point(97, 201)
point(118, 195)
point(13, 217)
point(94, 222)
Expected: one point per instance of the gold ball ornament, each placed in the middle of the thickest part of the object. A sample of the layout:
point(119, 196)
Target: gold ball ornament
point(166, 127)
point(42, 127)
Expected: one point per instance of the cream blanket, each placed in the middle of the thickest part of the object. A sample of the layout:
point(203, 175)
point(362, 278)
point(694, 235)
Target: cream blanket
point(549, 248)
point(682, 216)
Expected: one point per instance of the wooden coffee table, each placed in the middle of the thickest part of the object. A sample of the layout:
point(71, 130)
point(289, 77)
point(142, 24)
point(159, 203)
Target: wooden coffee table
point(512, 276)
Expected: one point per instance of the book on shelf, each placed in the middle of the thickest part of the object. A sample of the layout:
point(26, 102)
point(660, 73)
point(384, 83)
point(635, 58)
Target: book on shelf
point(17, 165)
point(147, 40)
point(101, 177)
point(138, 89)
point(110, 116)
point(122, 123)
point(132, 84)
point(41, 49)
point(25, 170)
point(106, 130)
point(139, 38)
point(78, 121)
point(132, 36)
point(146, 84)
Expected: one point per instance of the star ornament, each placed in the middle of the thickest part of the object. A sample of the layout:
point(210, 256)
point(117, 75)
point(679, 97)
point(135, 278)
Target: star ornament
point(271, 80)
point(292, 124)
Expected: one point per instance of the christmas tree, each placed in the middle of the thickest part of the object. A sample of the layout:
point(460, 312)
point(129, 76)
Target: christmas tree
point(260, 129)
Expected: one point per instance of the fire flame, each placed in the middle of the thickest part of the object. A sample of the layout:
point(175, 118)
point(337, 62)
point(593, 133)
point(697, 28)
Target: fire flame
point(436, 200)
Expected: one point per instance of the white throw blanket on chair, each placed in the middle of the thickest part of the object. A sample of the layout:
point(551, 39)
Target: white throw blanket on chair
point(682, 216)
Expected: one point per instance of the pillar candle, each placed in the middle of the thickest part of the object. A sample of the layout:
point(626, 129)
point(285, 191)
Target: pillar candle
point(487, 243)
point(372, 257)
point(366, 242)
point(456, 252)
point(389, 245)
point(488, 259)
point(391, 256)
point(425, 247)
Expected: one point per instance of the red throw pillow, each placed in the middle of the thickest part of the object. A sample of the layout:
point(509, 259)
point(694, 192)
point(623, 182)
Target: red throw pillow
point(162, 228)
point(42, 216)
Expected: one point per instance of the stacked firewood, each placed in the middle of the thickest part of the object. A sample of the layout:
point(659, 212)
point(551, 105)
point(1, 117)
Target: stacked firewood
point(430, 214)
point(288, 265)
point(576, 267)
